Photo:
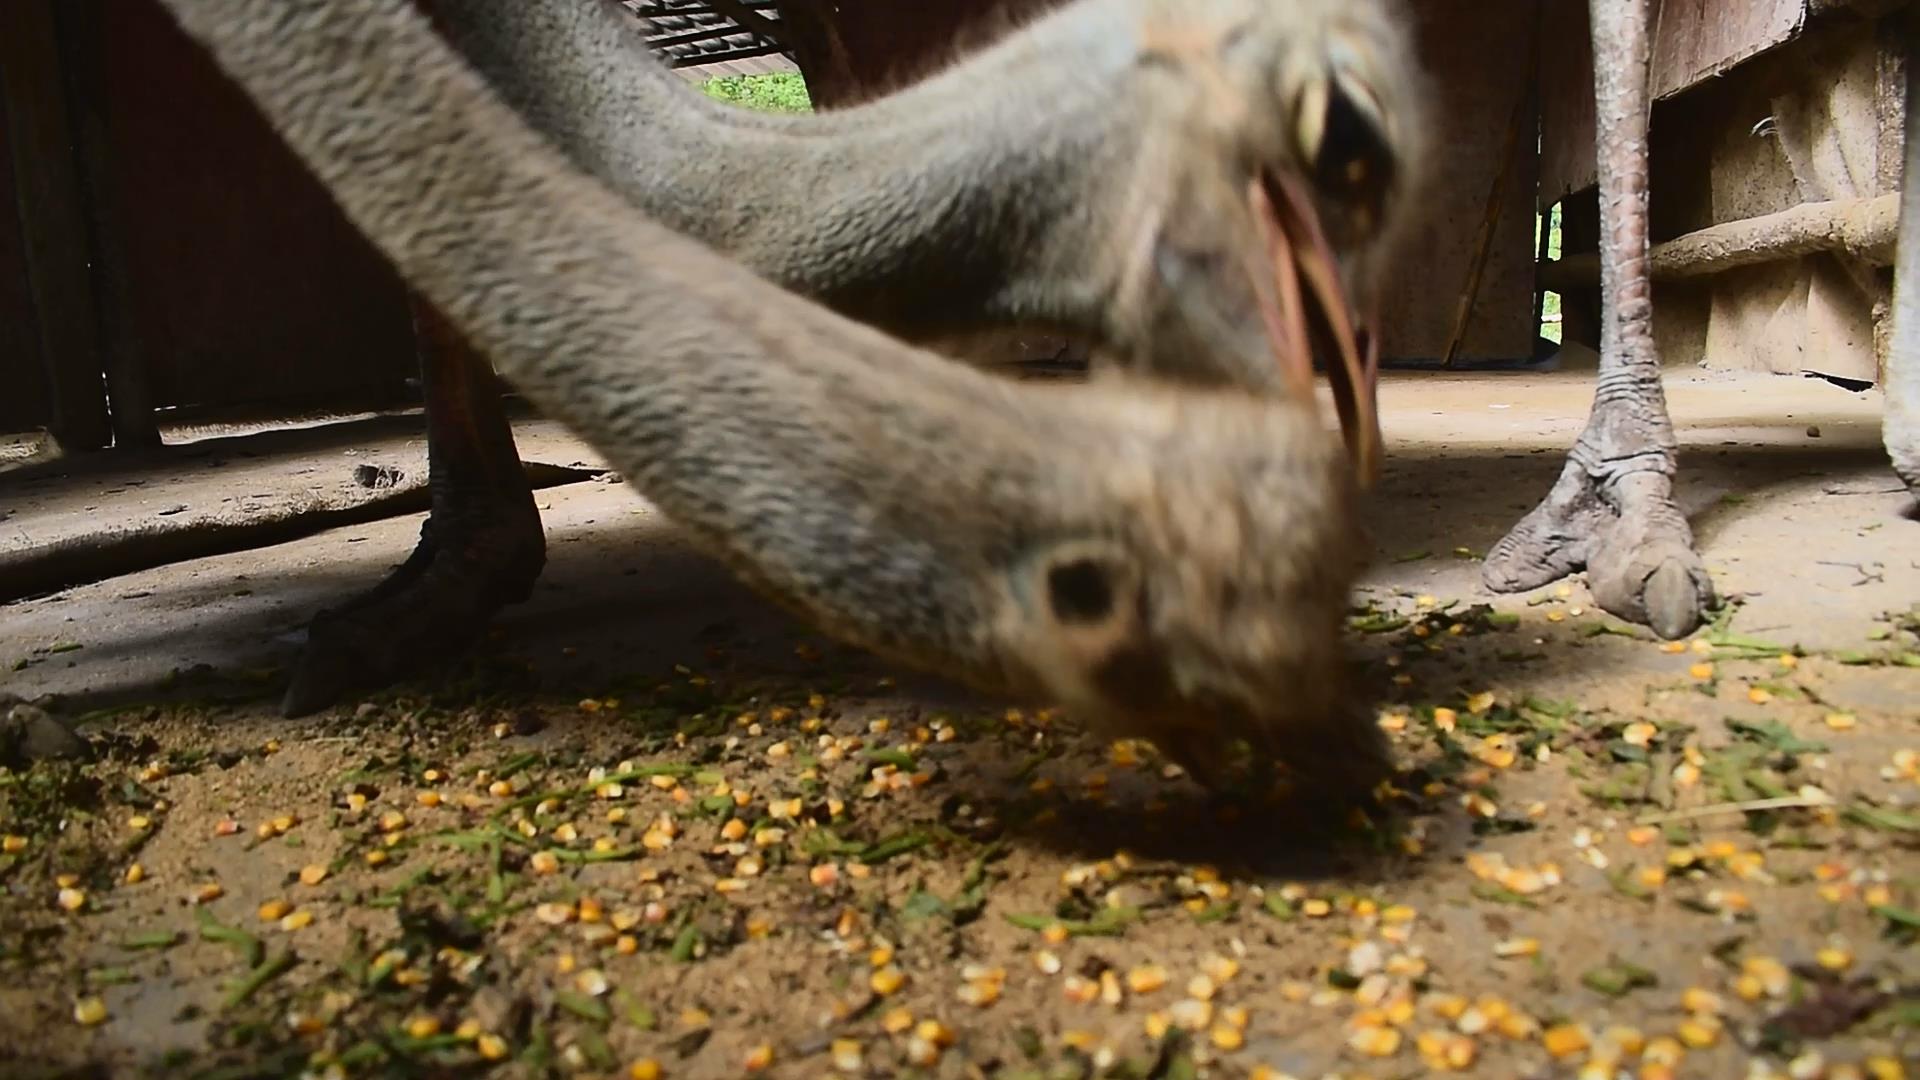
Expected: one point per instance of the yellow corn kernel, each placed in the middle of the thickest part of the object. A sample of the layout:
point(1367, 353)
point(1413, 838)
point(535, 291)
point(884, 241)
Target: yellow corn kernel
point(759, 1058)
point(423, 1027)
point(644, 1069)
point(1146, 978)
point(887, 980)
point(1834, 958)
point(544, 862)
point(273, 909)
point(1697, 999)
point(13, 844)
point(1664, 1050)
point(1566, 1040)
point(89, 1011)
point(1884, 1068)
point(1698, 1034)
point(1377, 1042)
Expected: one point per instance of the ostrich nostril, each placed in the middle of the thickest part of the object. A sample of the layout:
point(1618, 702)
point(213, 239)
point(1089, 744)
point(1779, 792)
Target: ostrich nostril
point(1079, 592)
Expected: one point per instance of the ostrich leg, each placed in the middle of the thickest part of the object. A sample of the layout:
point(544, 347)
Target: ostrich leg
point(481, 548)
point(1902, 425)
point(1612, 510)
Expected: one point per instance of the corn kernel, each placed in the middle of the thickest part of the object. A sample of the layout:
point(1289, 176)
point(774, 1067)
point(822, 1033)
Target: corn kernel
point(273, 909)
point(1221, 969)
point(1565, 1040)
point(544, 862)
point(1146, 978)
point(13, 844)
point(887, 980)
point(1377, 1042)
point(89, 1011)
point(896, 1021)
point(1840, 721)
point(1517, 947)
point(423, 1027)
point(847, 1056)
point(1834, 958)
point(1700, 1000)
point(296, 920)
point(428, 799)
point(1227, 1037)
point(1664, 1050)
point(72, 899)
point(1884, 1068)
point(208, 893)
point(644, 1069)
point(1698, 1033)
point(759, 1058)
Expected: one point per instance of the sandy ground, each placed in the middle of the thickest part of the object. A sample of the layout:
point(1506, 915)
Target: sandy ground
point(1603, 857)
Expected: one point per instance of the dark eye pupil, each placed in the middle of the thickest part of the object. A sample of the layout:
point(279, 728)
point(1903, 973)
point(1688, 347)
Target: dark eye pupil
point(1355, 160)
point(1079, 592)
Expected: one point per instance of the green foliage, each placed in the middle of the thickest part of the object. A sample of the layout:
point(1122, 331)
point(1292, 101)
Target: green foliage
point(779, 92)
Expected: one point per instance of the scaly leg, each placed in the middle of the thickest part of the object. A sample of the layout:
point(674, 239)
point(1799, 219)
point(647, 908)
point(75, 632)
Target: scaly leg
point(1612, 510)
point(1902, 427)
point(480, 549)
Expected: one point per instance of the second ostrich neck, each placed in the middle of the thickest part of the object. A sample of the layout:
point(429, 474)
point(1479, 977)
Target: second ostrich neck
point(919, 212)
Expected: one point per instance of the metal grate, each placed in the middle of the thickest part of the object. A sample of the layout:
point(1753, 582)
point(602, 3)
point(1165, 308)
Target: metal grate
point(706, 34)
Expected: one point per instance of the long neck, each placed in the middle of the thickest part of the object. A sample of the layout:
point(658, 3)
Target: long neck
point(953, 203)
point(876, 488)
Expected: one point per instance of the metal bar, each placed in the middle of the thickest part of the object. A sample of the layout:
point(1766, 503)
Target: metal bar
point(694, 37)
point(750, 19)
point(705, 59)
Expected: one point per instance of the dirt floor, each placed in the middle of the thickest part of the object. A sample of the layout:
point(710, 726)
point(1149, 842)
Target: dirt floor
point(657, 829)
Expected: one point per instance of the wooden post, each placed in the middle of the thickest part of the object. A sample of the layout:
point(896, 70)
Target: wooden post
point(53, 222)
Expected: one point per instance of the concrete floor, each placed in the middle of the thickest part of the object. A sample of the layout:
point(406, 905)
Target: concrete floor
point(1793, 502)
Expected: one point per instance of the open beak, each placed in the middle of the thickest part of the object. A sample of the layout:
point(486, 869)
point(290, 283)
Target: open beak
point(1295, 251)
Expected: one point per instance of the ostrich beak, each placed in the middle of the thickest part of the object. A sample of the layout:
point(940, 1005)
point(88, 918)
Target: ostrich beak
point(1295, 250)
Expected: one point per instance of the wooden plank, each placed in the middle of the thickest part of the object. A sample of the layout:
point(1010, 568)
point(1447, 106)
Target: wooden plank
point(53, 224)
point(1566, 102)
point(1695, 40)
point(246, 285)
point(81, 26)
point(1477, 100)
point(24, 405)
